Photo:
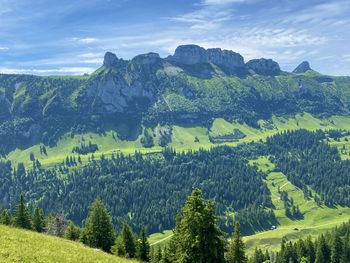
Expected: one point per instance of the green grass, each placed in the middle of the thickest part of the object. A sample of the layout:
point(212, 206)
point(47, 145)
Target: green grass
point(160, 238)
point(183, 138)
point(29, 247)
point(317, 219)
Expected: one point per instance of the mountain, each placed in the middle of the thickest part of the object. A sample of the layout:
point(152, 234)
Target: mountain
point(194, 85)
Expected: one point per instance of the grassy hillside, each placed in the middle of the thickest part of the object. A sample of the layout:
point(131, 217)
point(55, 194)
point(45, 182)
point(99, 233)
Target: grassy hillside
point(24, 246)
point(183, 138)
point(317, 219)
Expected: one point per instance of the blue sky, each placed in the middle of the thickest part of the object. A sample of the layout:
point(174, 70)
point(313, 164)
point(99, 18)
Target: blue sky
point(48, 37)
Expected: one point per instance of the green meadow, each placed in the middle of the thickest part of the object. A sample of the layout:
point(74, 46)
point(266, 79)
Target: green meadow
point(17, 245)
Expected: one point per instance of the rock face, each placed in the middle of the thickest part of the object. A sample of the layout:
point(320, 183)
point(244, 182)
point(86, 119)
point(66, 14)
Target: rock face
point(193, 54)
point(264, 66)
point(110, 60)
point(225, 58)
point(302, 68)
point(189, 54)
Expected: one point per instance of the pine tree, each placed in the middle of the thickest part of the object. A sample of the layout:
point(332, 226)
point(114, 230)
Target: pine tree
point(126, 245)
point(236, 253)
point(99, 231)
point(72, 231)
point(22, 216)
point(143, 247)
point(197, 237)
point(38, 220)
point(6, 217)
point(322, 251)
point(337, 249)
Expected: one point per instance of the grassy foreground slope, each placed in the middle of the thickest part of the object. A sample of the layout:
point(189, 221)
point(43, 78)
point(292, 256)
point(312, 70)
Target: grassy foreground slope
point(183, 138)
point(25, 246)
point(317, 219)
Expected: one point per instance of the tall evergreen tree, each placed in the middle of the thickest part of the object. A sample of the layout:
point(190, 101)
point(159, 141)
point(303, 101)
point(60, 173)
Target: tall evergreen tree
point(322, 251)
point(72, 231)
point(126, 245)
point(197, 237)
point(22, 216)
point(337, 249)
point(99, 231)
point(143, 247)
point(6, 217)
point(38, 220)
point(236, 252)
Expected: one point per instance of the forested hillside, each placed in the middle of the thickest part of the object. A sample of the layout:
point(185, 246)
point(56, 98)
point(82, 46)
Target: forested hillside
point(150, 189)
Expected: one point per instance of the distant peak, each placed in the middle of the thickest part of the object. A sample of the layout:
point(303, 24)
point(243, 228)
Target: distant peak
point(193, 54)
point(264, 66)
point(110, 60)
point(302, 68)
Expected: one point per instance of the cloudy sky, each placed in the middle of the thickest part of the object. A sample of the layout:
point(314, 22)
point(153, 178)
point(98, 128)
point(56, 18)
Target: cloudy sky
point(49, 37)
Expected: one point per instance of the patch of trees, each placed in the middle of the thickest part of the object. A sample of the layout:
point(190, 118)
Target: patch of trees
point(85, 148)
point(308, 160)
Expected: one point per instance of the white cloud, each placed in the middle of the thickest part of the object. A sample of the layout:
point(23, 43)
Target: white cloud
point(86, 40)
point(3, 48)
point(54, 71)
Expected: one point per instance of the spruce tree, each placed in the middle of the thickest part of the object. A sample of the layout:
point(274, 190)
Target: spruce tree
point(143, 247)
point(197, 237)
point(38, 220)
point(72, 231)
point(22, 216)
point(6, 217)
point(99, 231)
point(236, 253)
point(337, 249)
point(126, 245)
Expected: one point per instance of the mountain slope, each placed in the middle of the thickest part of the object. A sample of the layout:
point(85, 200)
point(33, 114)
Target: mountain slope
point(18, 245)
point(192, 86)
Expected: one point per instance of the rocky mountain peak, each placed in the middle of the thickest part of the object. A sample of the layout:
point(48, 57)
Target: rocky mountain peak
point(264, 66)
point(302, 67)
point(145, 59)
point(189, 54)
point(193, 54)
point(110, 60)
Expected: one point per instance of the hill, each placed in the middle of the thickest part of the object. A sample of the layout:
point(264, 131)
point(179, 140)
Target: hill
point(18, 245)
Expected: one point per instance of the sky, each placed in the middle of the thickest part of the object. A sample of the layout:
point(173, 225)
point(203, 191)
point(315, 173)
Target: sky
point(70, 37)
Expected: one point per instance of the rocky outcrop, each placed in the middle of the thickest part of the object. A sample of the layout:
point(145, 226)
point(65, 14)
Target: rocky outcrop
point(302, 68)
point(193, 54)
point(189, 54)
point(110, 60)
point(225, 58)
point(146, 59)
point(264, 66)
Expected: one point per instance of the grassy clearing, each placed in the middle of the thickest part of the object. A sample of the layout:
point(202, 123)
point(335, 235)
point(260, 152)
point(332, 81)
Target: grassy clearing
point(183, 138)
point(25, 246)
point(317, 219)
point(160, 238)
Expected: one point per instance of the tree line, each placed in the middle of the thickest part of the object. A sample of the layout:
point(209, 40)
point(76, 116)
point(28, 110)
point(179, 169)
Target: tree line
point(197, 237)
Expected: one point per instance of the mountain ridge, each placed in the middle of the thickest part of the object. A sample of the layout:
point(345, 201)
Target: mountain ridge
point(194, 85)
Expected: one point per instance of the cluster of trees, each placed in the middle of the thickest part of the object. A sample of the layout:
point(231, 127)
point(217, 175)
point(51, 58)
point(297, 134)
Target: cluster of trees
point(307, 160)
point(163, 179)
point(292, 210)
point(85, 149)
point(197, 237)
point(333, 247)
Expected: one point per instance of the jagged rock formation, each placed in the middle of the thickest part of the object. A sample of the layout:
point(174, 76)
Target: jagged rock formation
point(264, 66)
point(193, 54)
point(110, 60)
point(302, 67)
